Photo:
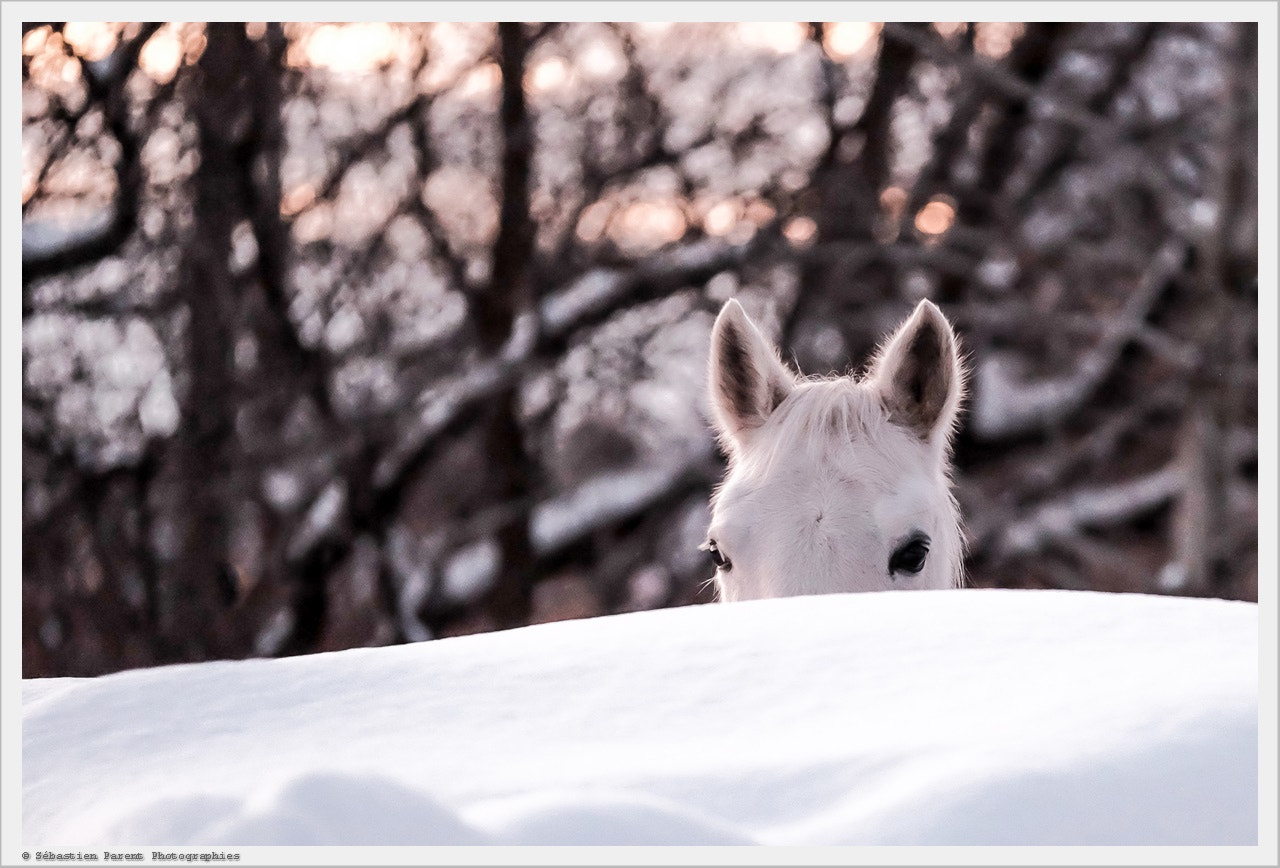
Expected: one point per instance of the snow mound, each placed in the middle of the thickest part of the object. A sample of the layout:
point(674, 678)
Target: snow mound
point(946, 717)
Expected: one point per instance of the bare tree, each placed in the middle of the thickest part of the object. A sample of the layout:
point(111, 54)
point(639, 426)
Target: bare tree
point(328, 347)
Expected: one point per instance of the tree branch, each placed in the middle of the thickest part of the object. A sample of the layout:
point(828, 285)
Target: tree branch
point(1004, 406)
point(105, 81)
point(1003, 83)
point(1105, 506)
point(260, 187)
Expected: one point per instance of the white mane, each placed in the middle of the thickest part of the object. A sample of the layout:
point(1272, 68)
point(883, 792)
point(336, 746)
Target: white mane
point(818, 414)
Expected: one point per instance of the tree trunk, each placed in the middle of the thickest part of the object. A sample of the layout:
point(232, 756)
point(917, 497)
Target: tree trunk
point(198, 593)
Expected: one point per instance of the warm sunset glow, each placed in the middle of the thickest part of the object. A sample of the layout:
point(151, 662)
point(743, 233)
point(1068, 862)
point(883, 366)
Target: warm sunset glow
point(935, 218)
point(193, 43)
point(648, 225)
point(594, 220)
point(654, 28)
point(892, 201)
point(800, 231)
point(995, 38)
point(845, 39)
point(52, 68)
point(350, 48)
point(759, 212)
point(300, 197)
point(464, 203)
point(91, 40)
point(484, 79)
point(949, 29)
point(34, 41)
point(313, 225)
point(600, 60)
point(551, 74)
point(778, 37)
point(29, 185)
point(721, 218)
point(162, 55)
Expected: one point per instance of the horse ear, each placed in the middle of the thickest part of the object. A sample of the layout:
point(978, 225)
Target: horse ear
point(747, 379)
point(919, 375)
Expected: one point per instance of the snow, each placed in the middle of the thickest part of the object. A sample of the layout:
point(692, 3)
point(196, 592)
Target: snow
point(933, 717)
point(589, 293)
point(45, 238)
point(602, 499)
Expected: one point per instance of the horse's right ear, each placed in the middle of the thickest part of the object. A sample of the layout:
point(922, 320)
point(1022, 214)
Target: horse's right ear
point(747, 379)
point(919, 375)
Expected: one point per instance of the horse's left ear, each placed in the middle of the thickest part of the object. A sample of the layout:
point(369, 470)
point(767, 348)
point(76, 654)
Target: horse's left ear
point(919, 375)
point(747, 379)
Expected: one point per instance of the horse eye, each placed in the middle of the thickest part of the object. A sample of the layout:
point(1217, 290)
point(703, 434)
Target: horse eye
point(910, 556)
point(717, 556)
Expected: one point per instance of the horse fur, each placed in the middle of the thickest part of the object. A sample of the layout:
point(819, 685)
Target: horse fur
point(833, 480)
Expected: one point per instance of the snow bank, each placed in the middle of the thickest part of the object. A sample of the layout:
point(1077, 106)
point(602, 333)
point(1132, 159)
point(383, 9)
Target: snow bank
point(951, 717)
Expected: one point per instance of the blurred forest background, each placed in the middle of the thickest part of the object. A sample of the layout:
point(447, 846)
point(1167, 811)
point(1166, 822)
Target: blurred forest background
point(340, 335)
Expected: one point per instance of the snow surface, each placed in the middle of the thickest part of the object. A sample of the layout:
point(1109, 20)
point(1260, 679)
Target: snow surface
point(939, 717)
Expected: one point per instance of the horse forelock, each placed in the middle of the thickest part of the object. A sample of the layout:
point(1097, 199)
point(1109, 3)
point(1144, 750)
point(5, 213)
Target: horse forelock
point(818, 418)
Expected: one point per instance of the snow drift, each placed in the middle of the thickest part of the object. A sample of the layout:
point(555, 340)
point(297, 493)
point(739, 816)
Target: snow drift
point(948, 717)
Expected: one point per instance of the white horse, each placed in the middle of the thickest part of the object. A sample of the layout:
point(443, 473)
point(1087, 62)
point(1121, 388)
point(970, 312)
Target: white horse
point(836, 484)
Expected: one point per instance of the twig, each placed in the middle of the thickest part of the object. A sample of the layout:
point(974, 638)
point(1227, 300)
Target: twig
point(1103, 506)
point(1089, 508)
point(1006, 85)
point(1005, 407)
point(106, 84)
point(560, 315)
